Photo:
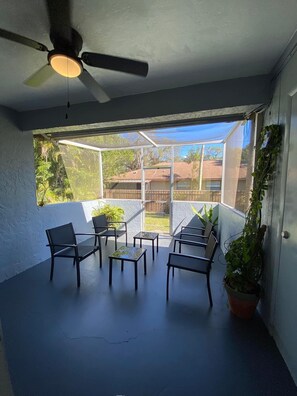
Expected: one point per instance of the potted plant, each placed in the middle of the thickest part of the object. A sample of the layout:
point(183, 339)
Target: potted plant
point(244, 257)
point(112, 213)
point(208, 215)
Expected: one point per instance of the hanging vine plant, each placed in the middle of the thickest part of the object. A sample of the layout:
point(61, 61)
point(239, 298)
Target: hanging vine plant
point(245, 254)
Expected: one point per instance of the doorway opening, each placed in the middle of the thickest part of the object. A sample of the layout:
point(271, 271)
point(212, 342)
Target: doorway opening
point(157, 199)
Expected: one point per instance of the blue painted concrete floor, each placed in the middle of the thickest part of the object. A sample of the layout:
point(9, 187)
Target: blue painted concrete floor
point(115, 341)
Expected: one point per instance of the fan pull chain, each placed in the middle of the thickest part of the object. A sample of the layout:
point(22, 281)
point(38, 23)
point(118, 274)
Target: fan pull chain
point(68, 102)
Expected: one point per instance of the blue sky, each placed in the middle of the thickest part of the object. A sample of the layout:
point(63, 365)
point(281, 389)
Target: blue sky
point(192, 133)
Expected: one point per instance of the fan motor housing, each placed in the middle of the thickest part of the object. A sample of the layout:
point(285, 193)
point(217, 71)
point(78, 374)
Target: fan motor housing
point(62, 45)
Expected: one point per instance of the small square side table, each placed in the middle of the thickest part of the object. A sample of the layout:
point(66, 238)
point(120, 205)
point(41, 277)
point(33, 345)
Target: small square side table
point(150, 236)
point(127, 253)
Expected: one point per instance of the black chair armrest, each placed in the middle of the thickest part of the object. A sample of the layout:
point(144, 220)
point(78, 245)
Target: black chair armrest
point(189, 242)
point(192, 235)
point(62, 245)
point(192, 228)
point(186, 256)
point(89, 233)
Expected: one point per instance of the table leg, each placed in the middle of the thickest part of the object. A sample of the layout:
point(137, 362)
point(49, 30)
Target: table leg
point(110, 271)
point(144, 260)
point(135, 273)
point(153, 248)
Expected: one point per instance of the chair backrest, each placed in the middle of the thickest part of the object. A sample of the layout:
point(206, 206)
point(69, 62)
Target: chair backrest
point(100, 223)
point(211, 247)
point(208, 229)
point(63, 234)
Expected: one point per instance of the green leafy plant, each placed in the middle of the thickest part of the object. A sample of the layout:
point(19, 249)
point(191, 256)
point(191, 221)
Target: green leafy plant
point(245, 254)
point(112, 213)
point(206, 216)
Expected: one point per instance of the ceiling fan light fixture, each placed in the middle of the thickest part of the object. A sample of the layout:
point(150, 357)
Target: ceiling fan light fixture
point(66, 65)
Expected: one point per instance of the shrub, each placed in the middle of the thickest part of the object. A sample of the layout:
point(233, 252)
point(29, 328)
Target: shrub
point(112, 213)
point(207, 215)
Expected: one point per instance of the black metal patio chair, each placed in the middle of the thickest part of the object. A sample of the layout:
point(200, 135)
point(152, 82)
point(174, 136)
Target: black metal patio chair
point(105, 229)
point(194, 238)
point(199, 264)
point(62, 242)
point(198, 230)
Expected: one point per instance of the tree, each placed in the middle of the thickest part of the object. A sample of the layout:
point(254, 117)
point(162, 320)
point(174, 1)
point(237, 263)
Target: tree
point(213, 152)
point(193, 155)
point(52, 184)
point(116, 162)
point(156, 155)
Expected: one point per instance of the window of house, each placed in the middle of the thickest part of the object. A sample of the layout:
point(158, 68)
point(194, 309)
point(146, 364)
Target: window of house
point(183, 185)
point(213, 185)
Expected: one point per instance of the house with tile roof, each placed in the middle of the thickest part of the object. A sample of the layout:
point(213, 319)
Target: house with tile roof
point(186, 177)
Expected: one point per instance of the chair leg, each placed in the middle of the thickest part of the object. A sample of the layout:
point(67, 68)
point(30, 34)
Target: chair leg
point(209, 291)
point(100, 251)
point(144, 262)
point(135, 275)
point(100, 257)
point(116, 243)
point(172, 272)
point(179, 249)
point(95, 240)
point(174, 246)
point(110, 271)
point(106, 241)
point(74, 262)
point(126, 239)
point(52, 267)
point(78, 272)
point(167, 284)
point(153, 249)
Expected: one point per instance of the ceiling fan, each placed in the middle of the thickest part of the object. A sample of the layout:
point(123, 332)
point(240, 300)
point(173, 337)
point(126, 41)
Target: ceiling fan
point(64, 58)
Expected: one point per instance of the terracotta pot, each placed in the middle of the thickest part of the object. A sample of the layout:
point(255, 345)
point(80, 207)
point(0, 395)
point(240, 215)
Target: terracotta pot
point(242, 305)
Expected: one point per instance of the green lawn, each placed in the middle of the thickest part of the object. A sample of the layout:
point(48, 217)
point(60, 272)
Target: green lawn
point(156, 222)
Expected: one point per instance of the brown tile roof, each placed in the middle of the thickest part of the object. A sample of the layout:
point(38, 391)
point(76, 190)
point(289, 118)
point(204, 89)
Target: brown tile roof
point(212, 170)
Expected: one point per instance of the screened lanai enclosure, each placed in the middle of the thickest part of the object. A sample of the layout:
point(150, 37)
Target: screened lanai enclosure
point(155, 170)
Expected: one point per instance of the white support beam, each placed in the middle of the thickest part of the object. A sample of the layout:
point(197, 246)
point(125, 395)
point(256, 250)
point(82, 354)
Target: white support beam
point(80, 145)
point(142, 190)
point(171, 191)
point(147, 138)
point(101, 192)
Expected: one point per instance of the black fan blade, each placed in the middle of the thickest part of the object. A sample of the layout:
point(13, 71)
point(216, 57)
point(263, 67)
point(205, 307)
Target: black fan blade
point(22, 40)
point(115, 63)
point(40, 76)
point(60, 19)
point(92, 85)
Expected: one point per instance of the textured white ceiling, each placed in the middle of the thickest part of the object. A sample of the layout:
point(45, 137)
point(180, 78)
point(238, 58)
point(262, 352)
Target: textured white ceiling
point(185, 42)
